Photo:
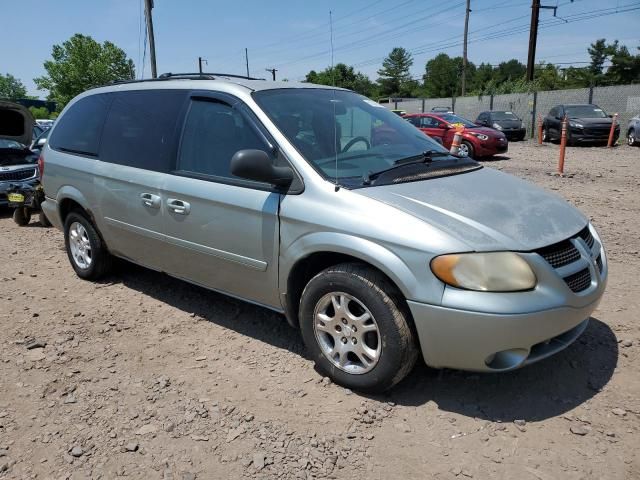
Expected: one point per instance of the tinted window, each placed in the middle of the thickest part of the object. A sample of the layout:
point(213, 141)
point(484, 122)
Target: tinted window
point(553, 112)
point(504, 116)
point(430, 122)
point(213, 133)
point(342, 134)
point(141, 128)
point(414, 121)
point(79, 129)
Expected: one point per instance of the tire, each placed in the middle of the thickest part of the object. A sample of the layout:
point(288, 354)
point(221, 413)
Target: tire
point(545, 134)
point(22, 216)
point(44, 221)
point(387, 342)
point(469, 147)
point(92, 262)
point(631, 138)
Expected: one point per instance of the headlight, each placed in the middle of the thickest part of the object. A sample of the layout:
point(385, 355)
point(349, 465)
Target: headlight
point(497, 126)
point(485, 272)
point(480, 136)
point(576, 125)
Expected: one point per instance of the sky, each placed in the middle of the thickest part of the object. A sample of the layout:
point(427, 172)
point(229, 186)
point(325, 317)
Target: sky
point(294, 35)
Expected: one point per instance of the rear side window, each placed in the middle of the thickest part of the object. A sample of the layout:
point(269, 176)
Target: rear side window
point(80, 128)
point(140, 130)
point(213, 133)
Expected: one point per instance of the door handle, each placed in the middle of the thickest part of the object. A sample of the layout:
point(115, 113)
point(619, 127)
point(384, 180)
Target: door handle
point(179, 206)
point(150, 200)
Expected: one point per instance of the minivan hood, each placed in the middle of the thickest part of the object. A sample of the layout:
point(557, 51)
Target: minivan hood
point(16, 122)
point(486, 209)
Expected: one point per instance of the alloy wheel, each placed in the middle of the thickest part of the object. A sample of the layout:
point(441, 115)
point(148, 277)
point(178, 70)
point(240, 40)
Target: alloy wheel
point(347, 333)
point(80, 245)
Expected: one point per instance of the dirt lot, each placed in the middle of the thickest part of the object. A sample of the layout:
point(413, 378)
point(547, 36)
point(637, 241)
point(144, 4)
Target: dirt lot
point(148, 377)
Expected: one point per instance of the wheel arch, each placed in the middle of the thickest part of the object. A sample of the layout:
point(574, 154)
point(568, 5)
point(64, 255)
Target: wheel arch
point(297, 273)
point(69, 198)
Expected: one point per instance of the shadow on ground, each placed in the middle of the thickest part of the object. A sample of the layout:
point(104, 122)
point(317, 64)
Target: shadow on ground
point(542, 390)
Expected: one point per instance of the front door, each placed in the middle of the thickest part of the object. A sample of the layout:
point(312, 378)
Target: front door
point(222, 231)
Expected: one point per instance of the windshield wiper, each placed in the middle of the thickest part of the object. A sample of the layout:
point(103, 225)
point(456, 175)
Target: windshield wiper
point(424, 157)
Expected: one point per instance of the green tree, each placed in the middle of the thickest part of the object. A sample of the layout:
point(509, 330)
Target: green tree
point(395, 79)
point(81, 63)
point(11, 88)
point(625, 68)
point(39, 112)
point(343, 76)
point(510, 70)
point(442, 76)
point(600, 52)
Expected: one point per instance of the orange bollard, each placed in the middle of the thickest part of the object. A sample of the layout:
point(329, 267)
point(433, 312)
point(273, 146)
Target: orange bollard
point(539, 129)
point(613, 128)
point(457, 139)
point(563, 146)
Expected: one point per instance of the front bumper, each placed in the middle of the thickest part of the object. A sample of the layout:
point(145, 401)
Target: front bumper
point(4, 186)
point(491, 147)
point(492, 331)
point(488, 342)
point(586, 135)
point(515, 134)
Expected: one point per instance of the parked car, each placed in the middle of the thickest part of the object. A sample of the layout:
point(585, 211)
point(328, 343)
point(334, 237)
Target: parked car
point(506, 122)
point(633, 131)
point(323, 205)
point(477, 141)
point(442, 110)
point(587, 124)
point(399, 112)
point(17, 161)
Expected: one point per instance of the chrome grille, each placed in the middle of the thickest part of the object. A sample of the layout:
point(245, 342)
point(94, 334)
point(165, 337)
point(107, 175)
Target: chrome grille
point(579, 281)
point(585, 234)
point(17, 175)
point(560, 254)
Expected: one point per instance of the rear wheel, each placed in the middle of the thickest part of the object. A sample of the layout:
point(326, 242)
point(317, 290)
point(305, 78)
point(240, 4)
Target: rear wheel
point(22, 216)
point(631, 138)
point(86, 250)
point(356, 328)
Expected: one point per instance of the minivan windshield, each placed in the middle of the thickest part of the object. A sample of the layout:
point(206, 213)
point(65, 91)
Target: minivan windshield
point(344, 135)
point(584, 111)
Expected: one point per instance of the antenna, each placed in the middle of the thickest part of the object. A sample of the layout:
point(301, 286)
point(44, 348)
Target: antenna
point(333, 79)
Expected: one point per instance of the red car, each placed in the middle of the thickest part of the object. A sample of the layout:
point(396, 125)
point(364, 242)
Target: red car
point(477, 141)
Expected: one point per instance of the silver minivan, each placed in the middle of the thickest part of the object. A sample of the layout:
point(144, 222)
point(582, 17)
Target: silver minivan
point(321, 204)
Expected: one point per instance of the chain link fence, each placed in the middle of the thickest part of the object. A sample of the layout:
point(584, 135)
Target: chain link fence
point(621, 99)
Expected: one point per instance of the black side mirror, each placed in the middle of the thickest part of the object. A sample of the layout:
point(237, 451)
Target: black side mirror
point(257, 165)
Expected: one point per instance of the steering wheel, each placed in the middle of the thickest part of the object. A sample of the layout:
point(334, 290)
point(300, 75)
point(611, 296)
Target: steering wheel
point(355, 140)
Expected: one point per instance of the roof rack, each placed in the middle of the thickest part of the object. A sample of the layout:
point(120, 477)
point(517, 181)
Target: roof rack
point(205, 76)
point(186, 76)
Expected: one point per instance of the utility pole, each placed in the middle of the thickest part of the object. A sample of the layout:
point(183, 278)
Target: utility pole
point(200, 62)
point(148, 5)
point(246, 58)
point(464, 48)
point(273, 72)
point(533, 35)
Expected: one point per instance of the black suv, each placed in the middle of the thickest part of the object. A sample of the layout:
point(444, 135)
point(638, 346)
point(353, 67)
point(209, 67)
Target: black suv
point(506, 122)
point(587, 124)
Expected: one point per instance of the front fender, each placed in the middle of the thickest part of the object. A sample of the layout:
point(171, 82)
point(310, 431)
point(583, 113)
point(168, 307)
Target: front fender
point(366, 250)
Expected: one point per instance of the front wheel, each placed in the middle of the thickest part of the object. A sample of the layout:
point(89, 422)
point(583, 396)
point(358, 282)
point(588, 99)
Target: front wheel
point(466, 149)
point(22, 216)
point(545, 134)
point(357, 328)
point(631, 138)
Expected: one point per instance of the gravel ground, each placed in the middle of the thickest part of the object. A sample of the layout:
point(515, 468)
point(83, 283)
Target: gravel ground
point(147, 377)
